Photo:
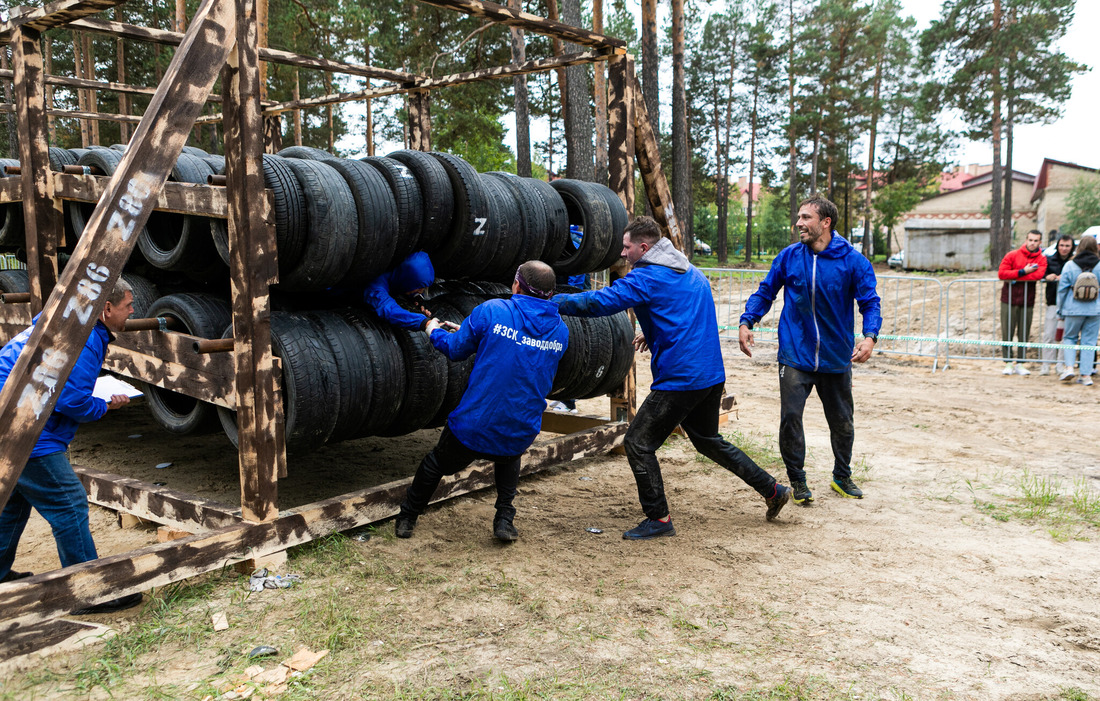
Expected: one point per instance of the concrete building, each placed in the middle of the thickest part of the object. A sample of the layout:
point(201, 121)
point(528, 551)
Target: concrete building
point(1052, 188)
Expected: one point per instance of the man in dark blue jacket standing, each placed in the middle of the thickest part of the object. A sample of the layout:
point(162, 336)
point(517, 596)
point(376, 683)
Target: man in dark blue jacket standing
point(675, 309)
point(518, 343)
point(820, 276)
point(48, 482)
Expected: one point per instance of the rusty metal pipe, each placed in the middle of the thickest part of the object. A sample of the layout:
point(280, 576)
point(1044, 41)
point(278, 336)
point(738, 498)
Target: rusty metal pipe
point(215, 180)
point(13, 170)
point(157, 323)
point(214, 345)
point(81, 170)
point(15, 297)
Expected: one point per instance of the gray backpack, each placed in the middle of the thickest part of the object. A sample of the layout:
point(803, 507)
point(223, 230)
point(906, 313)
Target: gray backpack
point(1086, 286)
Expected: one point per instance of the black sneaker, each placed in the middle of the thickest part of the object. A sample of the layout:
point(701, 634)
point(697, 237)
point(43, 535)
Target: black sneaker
point(120, 604)
point(650, 529)
point(847, 488)
point(777, 502)
point(12, 575)
point(801, 494)
point(403, 526)
point(504, 531)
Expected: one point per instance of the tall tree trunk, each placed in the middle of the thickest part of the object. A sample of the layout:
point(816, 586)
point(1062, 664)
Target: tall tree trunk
point(599, 90)
point(651, 65)
point(328, 113)
point(793, 184)
point(1009, 118)
point(752, 166)
point(120, 76)
point(579, 157)
point(51, 125)
point(726, 149)
point(93, 97)
point(814, 158)
point(681, 159)
point(557, 50)
point(370, 114)
point(298, 113)
point(868, 242)
point(998, 246)
point(721, 184)
point(523, 110)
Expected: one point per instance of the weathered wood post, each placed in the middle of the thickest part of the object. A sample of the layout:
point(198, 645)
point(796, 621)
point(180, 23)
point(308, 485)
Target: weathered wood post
point(620, 113)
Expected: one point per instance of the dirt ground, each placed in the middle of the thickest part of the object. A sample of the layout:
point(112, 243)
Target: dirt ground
point(946, 581)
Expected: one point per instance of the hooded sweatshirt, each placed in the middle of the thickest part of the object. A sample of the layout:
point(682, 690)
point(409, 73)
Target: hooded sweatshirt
point(75, 405)
point(1022, 284)
point(1068, 305)
point(675, 308)
point(413, 273)
point(816, 325)
point(518, 342)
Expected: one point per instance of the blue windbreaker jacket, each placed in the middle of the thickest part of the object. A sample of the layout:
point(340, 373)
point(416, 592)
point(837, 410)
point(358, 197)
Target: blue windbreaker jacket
point(414, 272)
point(675, 308)
point(815, 328)
point(75, 405)
point(518, 342)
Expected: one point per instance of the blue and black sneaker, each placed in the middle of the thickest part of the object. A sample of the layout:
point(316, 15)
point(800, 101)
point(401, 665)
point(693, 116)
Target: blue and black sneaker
point(650, 529)
point(801, 493)
point(777, 501)
point(847, 488)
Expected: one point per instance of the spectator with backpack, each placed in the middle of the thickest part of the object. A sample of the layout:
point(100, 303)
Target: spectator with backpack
point(1079, 305)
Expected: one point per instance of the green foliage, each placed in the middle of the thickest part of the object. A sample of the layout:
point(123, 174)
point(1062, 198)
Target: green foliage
point(1082, 206)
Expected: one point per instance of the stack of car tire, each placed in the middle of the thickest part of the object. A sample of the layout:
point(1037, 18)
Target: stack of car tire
point(338, 224)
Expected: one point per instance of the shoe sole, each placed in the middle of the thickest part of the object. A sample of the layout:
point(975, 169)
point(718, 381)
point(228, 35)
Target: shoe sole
point(803, 502)
point(664, 534)
point(841, 492)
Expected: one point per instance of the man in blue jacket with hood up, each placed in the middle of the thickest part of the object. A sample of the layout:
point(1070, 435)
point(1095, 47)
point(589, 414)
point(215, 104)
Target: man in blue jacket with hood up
point(518, 343)
point(820, 277)
point(675, 308)
point(48, 482)
point(411, 277)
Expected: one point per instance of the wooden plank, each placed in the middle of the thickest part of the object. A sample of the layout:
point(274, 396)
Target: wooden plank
point(43, 217)
point(79, 114)
point(18, 315)
point(69, 82)
point(160, 36)
point(29, 395)
point(183, 198)
point(620, 168)
point(533, 23)
point(11, 190)
point(648, 152)
point(557, 422)
point(252, 264)
point(420, 121)
point(513, 69)
point(214, 384)
point(161, 505)
point(55, 14)
point(45, 639)
point(44, 596)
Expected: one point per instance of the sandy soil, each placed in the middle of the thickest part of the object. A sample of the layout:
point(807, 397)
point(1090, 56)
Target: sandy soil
point(914, 590)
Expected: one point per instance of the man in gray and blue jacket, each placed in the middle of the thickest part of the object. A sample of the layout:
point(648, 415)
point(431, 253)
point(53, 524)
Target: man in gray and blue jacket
point(821, 276)
point(675, 309)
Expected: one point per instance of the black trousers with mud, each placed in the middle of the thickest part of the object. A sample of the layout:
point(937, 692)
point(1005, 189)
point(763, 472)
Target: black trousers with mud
point(835, 392)
point(450, 457)
point(696, 411)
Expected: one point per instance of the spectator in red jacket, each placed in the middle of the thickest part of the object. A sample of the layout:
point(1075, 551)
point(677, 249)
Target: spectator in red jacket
point(1020, 269)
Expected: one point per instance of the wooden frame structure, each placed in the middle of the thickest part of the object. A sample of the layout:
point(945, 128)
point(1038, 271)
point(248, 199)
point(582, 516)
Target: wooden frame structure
point(222, 40)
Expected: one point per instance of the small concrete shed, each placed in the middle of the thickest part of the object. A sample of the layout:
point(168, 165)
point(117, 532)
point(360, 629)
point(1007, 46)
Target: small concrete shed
point(947, 244)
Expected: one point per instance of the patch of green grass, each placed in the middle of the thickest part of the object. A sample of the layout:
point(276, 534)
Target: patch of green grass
point(1072, 693)
point(813, 687)
point(1064, 514)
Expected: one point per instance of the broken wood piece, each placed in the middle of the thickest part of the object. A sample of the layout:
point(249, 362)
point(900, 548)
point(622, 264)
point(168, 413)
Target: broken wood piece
point(126, 520)
point(220, 621)
point(275, 675)
point(272, 562)
point(304, 659)
point(167, 533)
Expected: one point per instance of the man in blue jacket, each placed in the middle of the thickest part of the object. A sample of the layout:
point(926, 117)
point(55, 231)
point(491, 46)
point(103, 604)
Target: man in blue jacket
point(411, 277)
point(48, 482)
point(518, 343)
point(820, 277)
point(675, 309)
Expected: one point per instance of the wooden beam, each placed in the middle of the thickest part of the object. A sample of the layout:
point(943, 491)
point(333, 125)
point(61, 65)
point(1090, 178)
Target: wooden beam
point(152, 503)
point(252, 263)
point(11, 190)
point(79, 114)
point(42, 597)
point(183, 198)
point(533, 23)
point(160, 36)
point(43, 218)
point(55, 14)
point(648, 152)
point(211, 382)
point(620, 169)
point(420, 121)
point(557, 422)
point(74, 307)
point(353, 96)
